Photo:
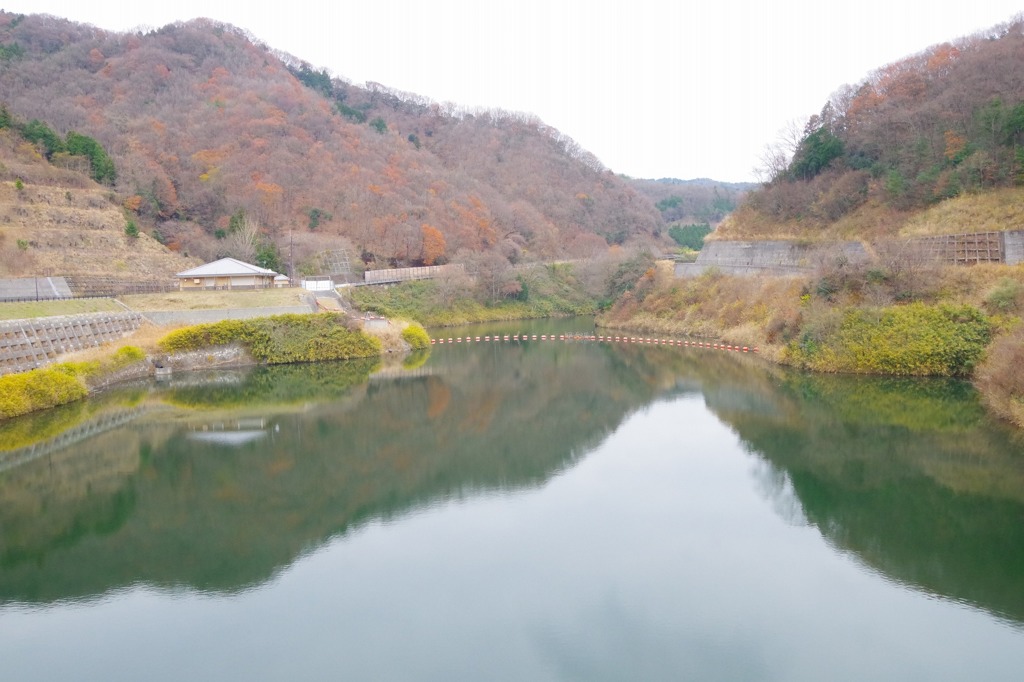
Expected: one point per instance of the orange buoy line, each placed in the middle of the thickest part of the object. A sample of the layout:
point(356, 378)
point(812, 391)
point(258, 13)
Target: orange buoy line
point(600, 338)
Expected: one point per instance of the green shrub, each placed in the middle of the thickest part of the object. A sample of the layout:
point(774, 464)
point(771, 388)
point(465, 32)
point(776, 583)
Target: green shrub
point(553, 291)
point(83, 369)
point(914, 339)
point(279, 339)
point(123, 357)
point(416, 336)
point(690, 236)
point(1004, 296)
point(202, 336)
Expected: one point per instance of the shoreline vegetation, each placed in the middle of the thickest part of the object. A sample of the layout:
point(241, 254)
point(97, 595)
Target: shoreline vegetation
point(278, 339)
point(861, 319)
point(898, 319)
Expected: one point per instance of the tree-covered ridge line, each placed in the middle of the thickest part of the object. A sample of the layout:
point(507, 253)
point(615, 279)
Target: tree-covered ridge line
point(935, 125)
point(62, 151)
point(203, 122)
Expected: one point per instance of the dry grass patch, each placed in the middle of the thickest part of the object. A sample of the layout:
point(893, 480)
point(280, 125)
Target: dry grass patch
point(25, 310)
point(144, 338)
point(212, 300)
point(61, 222)
point(740, 310)
point(390, 336)
point(870, 221)
point(1000, 377)
point(993, 211)
point(975, 285)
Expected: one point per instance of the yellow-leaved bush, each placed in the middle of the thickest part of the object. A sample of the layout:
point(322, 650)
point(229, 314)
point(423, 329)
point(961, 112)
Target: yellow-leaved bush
point(416, 336)
point(39, 389)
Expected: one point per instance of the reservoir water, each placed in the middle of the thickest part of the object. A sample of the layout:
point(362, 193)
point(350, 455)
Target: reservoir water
point(540, 510)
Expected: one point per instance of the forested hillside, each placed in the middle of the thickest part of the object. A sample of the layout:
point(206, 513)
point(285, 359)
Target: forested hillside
point(204, 125)
point(946, 122)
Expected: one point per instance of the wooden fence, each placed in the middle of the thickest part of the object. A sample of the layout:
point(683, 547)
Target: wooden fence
point(964, 249)
point(407, 274)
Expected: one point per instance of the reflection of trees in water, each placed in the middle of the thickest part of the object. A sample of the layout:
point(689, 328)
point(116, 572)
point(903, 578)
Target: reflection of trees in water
point(907, 474)
point(338, 451)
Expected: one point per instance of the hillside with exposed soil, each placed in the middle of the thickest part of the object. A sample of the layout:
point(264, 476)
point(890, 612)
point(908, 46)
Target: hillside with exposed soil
point(56, 221)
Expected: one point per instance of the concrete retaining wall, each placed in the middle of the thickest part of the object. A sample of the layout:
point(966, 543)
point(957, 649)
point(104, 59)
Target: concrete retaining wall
point(794, 258)
point(771, 257)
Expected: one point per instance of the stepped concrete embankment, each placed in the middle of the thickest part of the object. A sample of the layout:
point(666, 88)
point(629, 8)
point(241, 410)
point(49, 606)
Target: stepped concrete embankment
point(29, 344)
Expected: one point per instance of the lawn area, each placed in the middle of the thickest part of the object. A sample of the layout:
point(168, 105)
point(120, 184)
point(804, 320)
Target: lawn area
point(23, 310)
point(212, 300)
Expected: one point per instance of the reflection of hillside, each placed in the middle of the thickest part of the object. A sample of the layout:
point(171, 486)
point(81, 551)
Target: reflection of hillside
point(177, 510)
point(908, 475)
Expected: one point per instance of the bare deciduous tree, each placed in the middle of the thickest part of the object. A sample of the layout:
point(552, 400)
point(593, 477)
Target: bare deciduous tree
point(244, 240)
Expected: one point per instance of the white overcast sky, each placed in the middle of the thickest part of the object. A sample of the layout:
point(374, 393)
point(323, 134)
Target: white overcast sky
point(654, 88)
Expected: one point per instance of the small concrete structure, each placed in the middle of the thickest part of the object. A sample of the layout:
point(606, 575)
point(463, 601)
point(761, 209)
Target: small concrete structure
point(226, 273)
point(1013, 247)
